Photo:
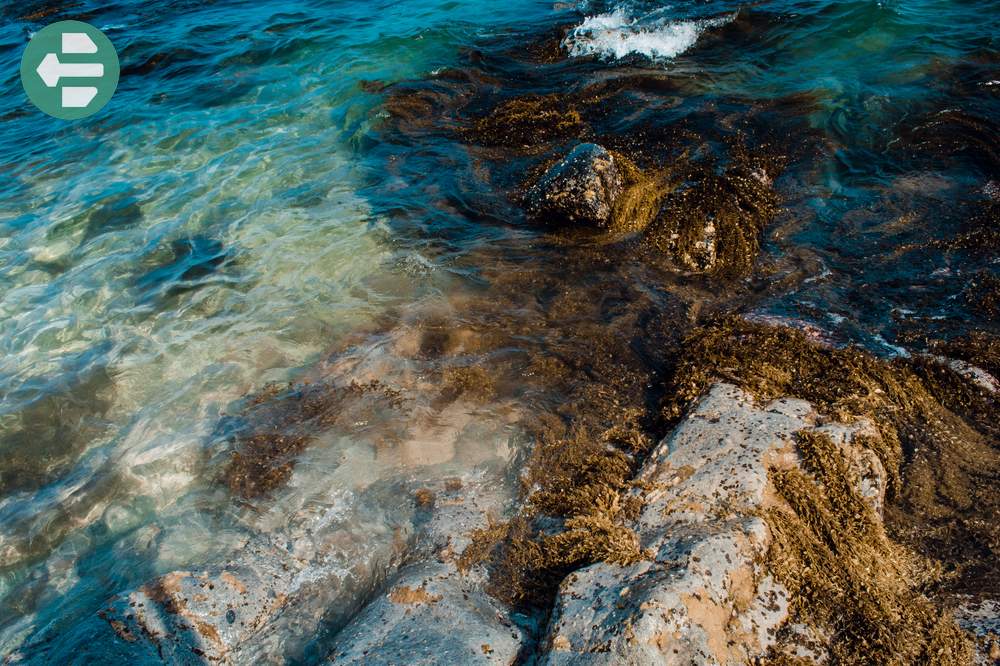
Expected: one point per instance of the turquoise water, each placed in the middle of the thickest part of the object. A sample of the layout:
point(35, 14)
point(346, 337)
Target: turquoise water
point(233, 217)
point(199, 237)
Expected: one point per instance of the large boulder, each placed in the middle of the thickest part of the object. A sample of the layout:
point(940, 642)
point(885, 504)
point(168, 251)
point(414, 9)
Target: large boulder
point(579, 190)
point(704, 596)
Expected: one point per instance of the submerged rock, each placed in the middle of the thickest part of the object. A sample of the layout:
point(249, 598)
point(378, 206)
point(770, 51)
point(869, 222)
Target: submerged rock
point(267, 604)
point(525, 122)
point(181, 267)
point(579, 190)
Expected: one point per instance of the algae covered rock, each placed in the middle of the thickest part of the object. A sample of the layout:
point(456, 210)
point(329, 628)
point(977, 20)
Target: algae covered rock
point(579, 190)
point(526, 122)
point(713, 223)
point(706, 595)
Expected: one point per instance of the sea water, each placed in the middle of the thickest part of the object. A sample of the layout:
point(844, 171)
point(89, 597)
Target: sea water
point(227, 221)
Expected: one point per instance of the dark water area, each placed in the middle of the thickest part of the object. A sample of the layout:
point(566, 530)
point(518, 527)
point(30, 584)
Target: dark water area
point(301, 295)
point(884, 235)
point(886, 178)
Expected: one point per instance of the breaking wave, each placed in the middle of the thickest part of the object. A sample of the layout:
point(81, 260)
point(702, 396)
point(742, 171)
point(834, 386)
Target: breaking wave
point(617, 34)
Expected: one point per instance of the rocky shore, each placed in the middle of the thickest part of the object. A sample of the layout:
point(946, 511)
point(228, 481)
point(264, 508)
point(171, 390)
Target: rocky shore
point(702, 483)
point(764, 528)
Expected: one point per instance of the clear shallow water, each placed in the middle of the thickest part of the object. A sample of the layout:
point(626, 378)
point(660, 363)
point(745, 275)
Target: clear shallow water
point(235, 217)
point(198, 238)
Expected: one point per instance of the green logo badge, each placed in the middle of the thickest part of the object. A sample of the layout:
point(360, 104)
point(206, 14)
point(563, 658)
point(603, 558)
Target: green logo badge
point(69, 70)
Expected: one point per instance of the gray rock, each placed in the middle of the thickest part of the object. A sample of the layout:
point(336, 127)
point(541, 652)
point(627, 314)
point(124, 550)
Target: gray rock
point(431, 612)
point(981, 618)
point(312, 556)
point(705, 597)
point(278, 593)
point(580, 190)
point(274, 595)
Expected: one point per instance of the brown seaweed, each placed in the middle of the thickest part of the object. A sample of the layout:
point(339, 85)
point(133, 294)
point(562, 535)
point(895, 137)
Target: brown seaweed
point(939, 434)
point(280, 422)
point(845, 577)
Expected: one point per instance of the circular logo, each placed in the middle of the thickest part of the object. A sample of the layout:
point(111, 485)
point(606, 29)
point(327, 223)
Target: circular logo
point(69, 70)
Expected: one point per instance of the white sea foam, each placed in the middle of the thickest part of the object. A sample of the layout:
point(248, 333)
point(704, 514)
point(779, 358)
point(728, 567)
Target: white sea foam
point(616, 34)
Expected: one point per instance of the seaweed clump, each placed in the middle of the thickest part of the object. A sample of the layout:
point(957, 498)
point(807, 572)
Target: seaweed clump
point(938, 440)
point(471, 382)
point(642, 197)
point(279, 423)
point(576, 512)
point(528, 121)
point(602, 347)
point(845, 576)
point(713, 221)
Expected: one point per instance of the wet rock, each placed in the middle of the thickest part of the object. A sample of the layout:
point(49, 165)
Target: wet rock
point(981, 618)
point(270, 603)
point(702, 252)
point(944, 511)
point(973, 374)
point(704, 597)
point(431, 615)
point(431, 612)
point(580, 190)
point(992, 190)
point(284, 594)
point(178, 614)
point(279, 424)
point(713, 222)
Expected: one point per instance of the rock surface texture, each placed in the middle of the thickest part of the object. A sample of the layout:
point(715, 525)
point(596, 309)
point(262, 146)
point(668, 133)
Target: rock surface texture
point(579, 190)
point(981, 618)
point(246, 611)
point(431, 613)
point(703, 597)
point(703, 594)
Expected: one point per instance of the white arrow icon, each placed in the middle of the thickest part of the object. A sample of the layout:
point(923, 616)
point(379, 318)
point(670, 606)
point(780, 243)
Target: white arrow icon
point(78, 97)
point(51, 70)
point(78, 42)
